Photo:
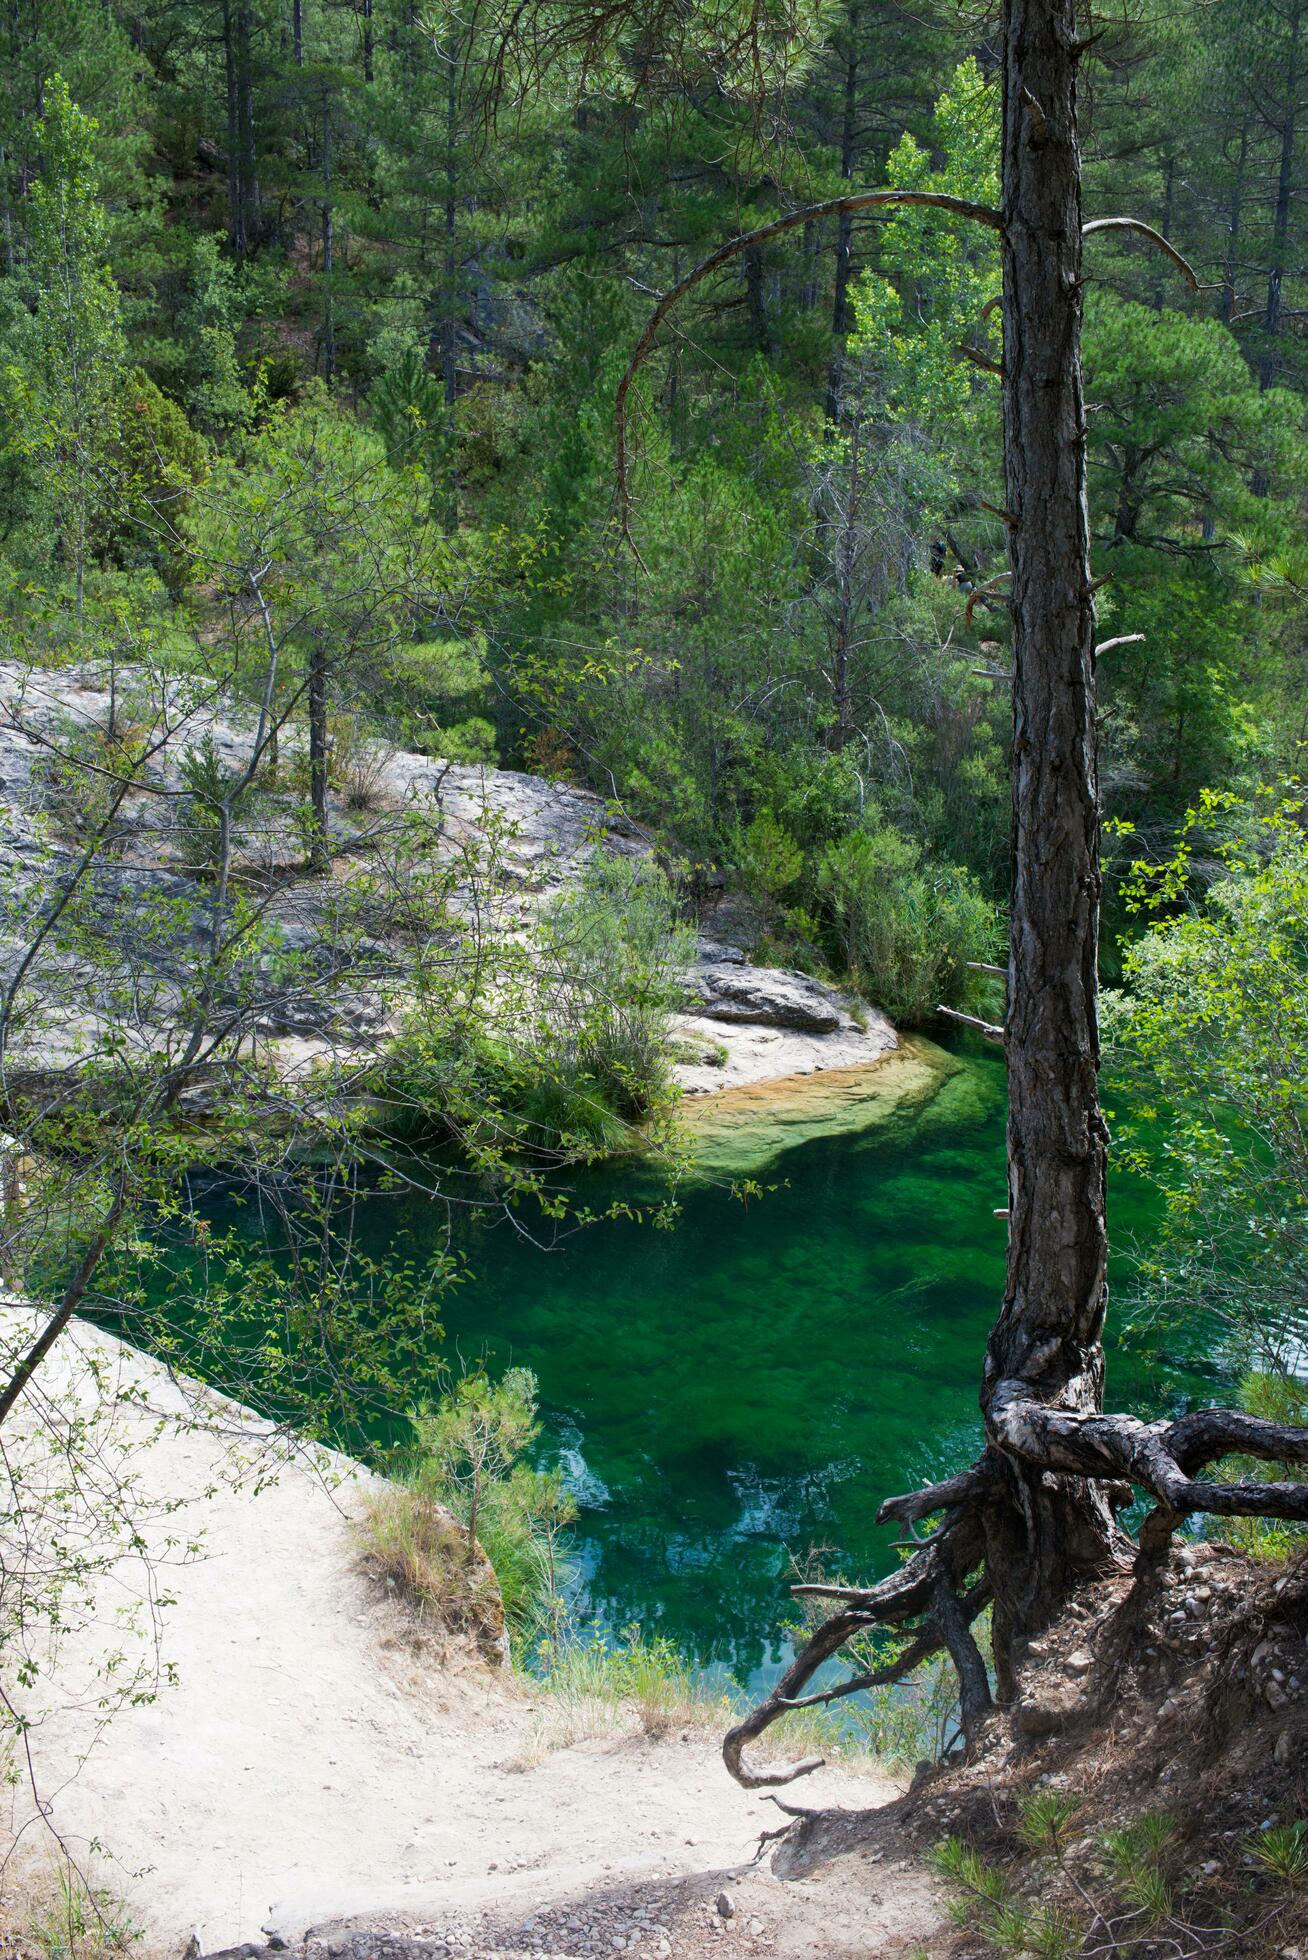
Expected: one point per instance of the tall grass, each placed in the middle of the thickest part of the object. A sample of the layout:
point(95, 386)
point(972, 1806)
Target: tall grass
point(593, 1684)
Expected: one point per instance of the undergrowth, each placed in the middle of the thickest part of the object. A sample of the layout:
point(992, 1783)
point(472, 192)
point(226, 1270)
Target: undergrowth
point(465, 1503)
point(75, 1921)
point(467, 1531)
point(1126, 1893)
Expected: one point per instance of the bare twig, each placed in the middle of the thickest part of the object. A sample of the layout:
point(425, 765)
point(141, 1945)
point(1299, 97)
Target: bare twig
point(986, 1028)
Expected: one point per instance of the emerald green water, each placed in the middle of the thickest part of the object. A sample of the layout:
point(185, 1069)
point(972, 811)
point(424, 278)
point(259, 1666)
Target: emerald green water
point(751, 1384)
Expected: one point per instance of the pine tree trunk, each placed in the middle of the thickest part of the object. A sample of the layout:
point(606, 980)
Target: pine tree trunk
point(1234, 221)
point(845, 223)
point(250, 199)
point(328, 248)
point(1280, 227)
point(1281, 209)
point(318, 856)
point(1048, 1338)
point(235, 196)
point(449, 269)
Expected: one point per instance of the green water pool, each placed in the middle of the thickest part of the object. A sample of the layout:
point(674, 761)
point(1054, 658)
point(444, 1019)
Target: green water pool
point(728, 1394)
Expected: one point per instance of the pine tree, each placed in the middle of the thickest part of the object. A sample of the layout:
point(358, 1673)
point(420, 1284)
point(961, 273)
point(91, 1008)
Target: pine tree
point(71, 380)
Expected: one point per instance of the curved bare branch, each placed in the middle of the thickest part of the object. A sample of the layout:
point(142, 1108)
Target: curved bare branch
point(986, 592)
point(1155, 238)
point(832, 207)
point(907, 1594)
point(967, 1488)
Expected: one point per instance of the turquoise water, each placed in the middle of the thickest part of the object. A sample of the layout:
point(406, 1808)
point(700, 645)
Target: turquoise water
point(726, 1395)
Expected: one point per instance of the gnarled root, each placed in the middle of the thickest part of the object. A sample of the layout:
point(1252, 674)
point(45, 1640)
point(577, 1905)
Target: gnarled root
point(927, 1589)
point(929, 1598)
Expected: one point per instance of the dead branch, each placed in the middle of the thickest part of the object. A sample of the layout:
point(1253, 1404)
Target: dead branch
point(986, 1028)
point(1155, 238)
point(967, 1488)
point(996, 511)
point(832, 207)
point(904, 1662)
point(1122, 640)
point(1039, 124)
point(986, 362)
point(987, 966)
point(989, 590)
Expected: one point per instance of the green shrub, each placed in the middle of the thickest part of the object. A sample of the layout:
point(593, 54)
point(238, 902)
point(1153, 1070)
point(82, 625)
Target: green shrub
point(78, 1922)
point(613, 957)
point(207, 782)
point(466, 1463)
point(770, 859)
point(577, 1046)
point(906, 926)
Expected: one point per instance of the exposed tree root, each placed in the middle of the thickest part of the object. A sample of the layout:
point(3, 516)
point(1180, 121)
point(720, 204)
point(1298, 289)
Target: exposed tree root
point(929, 1597)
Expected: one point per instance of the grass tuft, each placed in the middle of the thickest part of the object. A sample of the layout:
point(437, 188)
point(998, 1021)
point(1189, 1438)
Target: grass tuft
point(417, 1548)
point(78, 1922)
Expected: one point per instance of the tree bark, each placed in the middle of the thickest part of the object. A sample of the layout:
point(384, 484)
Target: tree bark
point(1234, 218)
point(249, 169)
point(1281, 210)
point(328, 247)
point(450, 268)
point(846, 557)
point(1260, 483)
point(317, 704)
point(235, 197)
point(1049, 1332)
point(845, 223)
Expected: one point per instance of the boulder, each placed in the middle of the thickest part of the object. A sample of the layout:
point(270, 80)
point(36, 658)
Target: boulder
point(733, 990)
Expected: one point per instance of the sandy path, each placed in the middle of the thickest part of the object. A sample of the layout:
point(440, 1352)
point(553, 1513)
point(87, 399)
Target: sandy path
point(307, 1762)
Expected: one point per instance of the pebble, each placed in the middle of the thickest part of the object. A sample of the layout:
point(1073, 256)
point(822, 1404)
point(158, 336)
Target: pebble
point(726, 1905)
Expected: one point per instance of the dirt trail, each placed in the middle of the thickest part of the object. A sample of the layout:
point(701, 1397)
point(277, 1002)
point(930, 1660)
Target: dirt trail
point(308, 1764)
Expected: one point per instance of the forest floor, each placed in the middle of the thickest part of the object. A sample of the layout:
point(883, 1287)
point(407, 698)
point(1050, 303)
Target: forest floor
point(313, 1758)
